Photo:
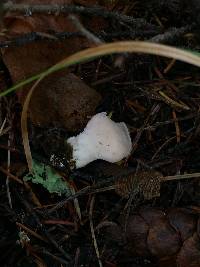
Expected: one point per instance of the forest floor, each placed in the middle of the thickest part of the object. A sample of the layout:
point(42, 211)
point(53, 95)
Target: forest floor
point(142, 211)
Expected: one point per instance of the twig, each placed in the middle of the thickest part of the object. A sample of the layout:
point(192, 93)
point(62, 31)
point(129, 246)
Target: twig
point(93, 233)
point(76, 203)
point(10, 175)
point(92, 189)
point(169, 66)
point(167, 37)
point(141, 130)
point(173, 103)
point(90, 36)
point(8, 178)
point(41, 226)
point(36, 36)
point(162, 146)
point(178, 132)
point(54, 36)
point(4, 130)
point(84, 191)
point(182, 176)
point(30, 37)
point(76, 258)
point(63, 222)
point(56, 245)
point(33, 233)
point(160, 123)
point(28, 10)
point(8, 165)
point(58, 259)
point(171, 35)
point(2, 126)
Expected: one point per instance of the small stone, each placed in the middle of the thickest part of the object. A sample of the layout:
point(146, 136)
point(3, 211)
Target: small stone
point(63, 100)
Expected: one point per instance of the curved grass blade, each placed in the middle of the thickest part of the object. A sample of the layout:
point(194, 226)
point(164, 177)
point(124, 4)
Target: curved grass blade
point(89, 54)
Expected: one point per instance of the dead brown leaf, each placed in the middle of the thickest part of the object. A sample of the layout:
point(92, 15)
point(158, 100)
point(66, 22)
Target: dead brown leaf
point(54, 96)
point(32, 58)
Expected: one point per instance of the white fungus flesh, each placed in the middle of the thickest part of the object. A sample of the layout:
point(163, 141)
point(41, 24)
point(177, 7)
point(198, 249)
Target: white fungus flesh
point(101, 139)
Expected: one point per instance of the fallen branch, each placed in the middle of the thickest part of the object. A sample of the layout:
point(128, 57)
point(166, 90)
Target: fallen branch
point(28, 10)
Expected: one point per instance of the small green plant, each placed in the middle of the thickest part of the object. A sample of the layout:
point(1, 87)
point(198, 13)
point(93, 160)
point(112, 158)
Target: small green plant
point(48, 178)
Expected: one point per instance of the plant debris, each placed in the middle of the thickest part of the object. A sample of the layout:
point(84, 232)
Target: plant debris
point(48, 178)
point(141, 211)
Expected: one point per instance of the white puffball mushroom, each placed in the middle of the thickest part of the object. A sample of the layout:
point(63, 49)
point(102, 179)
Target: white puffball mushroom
point(103, 139)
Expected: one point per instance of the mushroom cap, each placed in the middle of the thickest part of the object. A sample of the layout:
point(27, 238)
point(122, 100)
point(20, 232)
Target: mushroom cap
point(101, 139)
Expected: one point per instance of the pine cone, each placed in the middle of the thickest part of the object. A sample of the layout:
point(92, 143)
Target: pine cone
point(173, 238)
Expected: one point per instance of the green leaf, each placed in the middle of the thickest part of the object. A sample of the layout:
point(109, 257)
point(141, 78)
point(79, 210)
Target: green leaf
point(48, 178)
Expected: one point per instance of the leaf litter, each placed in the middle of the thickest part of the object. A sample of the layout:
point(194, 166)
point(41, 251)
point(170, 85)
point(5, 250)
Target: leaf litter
point(143, 210)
